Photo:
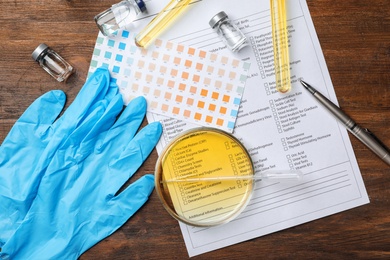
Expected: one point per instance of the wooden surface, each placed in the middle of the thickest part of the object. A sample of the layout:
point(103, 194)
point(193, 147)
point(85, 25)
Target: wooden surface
point(355, 38)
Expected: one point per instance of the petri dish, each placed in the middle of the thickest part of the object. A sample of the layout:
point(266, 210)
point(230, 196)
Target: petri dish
point(204, 153)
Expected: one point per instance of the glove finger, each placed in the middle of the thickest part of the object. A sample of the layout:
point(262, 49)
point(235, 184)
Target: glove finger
point(102, 124)
point(95, 89)
point(127, 124)
point(112, 92)
point(136, 152)
point(82, 141)
point(40, 115)
point(130, 200)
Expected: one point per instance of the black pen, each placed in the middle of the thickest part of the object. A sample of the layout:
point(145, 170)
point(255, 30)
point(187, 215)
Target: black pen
point(364, 135)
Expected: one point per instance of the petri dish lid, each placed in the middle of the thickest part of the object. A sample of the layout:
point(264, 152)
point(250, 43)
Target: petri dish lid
point(204, 153)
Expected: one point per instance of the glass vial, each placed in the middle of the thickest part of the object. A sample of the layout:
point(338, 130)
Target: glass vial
point(119, 16)
point(53, 63)
point(230, 34)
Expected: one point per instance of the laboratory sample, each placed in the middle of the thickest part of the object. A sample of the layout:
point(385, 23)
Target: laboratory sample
point(119, 16)
point(230, 34)
point(160, 22)
point(53, 63)
point(203, 177)
point(280, 45)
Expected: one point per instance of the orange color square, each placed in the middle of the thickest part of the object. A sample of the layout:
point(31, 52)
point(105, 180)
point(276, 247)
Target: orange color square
point(196, 78)
point(193, 89)
point(190, 101)
point(135, 87)
point(218, 84)
point(213, 57)
point(224, 60)
point(204, 92)
point(163, 69)
point(160, 81)
point(209, 119)
point(207, 81)
point(138, 75)
point(212, 107)
point(149, 78)
point(220, 122)
point(173, 72)
point(158, 42)
point(232, 75)
point(141, 64)
point(221, 72)
point(235, 63)
point(176, 60)
point(152, 66)
point(144, 52)
point(210, 69)
point(188, 63)
point(169, 45)
point(182, 86)
point(145, 90)
point(184, 75)
point(202, 54)
point(164, 107)
point(180, 48)
point(229, 87)
point(223, 110)
point(226, 98)
point(153, 105)
point(179, 98)
point(168, 95)
point(166, 57)
point(191, 51)
point(176, 110)
point(157, 92)
point(155, 55)
point(171, 83)
point(198, 116)
point(215, 95)
point(187, 113)
point(201, 104)
point(199, 66)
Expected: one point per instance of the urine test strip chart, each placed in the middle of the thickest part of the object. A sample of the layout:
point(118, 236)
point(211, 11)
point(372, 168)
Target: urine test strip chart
point(177, 81)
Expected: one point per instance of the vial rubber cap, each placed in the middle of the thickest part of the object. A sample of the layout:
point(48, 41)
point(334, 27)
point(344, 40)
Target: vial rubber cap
point(141, 5)
point(41, 48)
point(216, 18)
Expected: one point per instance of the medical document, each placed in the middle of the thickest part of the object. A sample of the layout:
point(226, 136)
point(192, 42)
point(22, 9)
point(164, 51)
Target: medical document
point(280, 131)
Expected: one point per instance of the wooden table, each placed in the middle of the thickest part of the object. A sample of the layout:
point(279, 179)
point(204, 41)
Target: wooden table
point(355, 38)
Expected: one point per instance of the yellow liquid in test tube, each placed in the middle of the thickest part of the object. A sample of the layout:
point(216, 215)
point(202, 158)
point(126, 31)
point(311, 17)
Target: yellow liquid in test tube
point(160, 22)
point(280, 45)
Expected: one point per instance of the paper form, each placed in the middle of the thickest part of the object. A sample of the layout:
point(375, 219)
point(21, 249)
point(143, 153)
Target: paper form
point(280, 131)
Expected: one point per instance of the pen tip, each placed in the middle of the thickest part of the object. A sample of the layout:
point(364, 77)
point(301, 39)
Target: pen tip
point(307, 86)
point(303, 83)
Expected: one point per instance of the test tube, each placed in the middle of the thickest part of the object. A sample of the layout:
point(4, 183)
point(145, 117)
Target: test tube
point(160, 22)
point(280, 45)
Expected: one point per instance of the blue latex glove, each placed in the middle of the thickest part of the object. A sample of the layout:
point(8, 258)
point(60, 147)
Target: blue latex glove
point(33, 140)
point(76, 205)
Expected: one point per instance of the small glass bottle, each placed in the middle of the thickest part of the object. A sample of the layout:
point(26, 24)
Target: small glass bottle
point(53, 63)
point(119, 15)
point(230, 34)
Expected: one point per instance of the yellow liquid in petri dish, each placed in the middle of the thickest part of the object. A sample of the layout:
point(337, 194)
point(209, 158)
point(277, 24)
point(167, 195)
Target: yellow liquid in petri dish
point(204, 153)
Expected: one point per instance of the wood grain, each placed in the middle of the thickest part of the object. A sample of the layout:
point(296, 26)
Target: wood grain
point(355, 38)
